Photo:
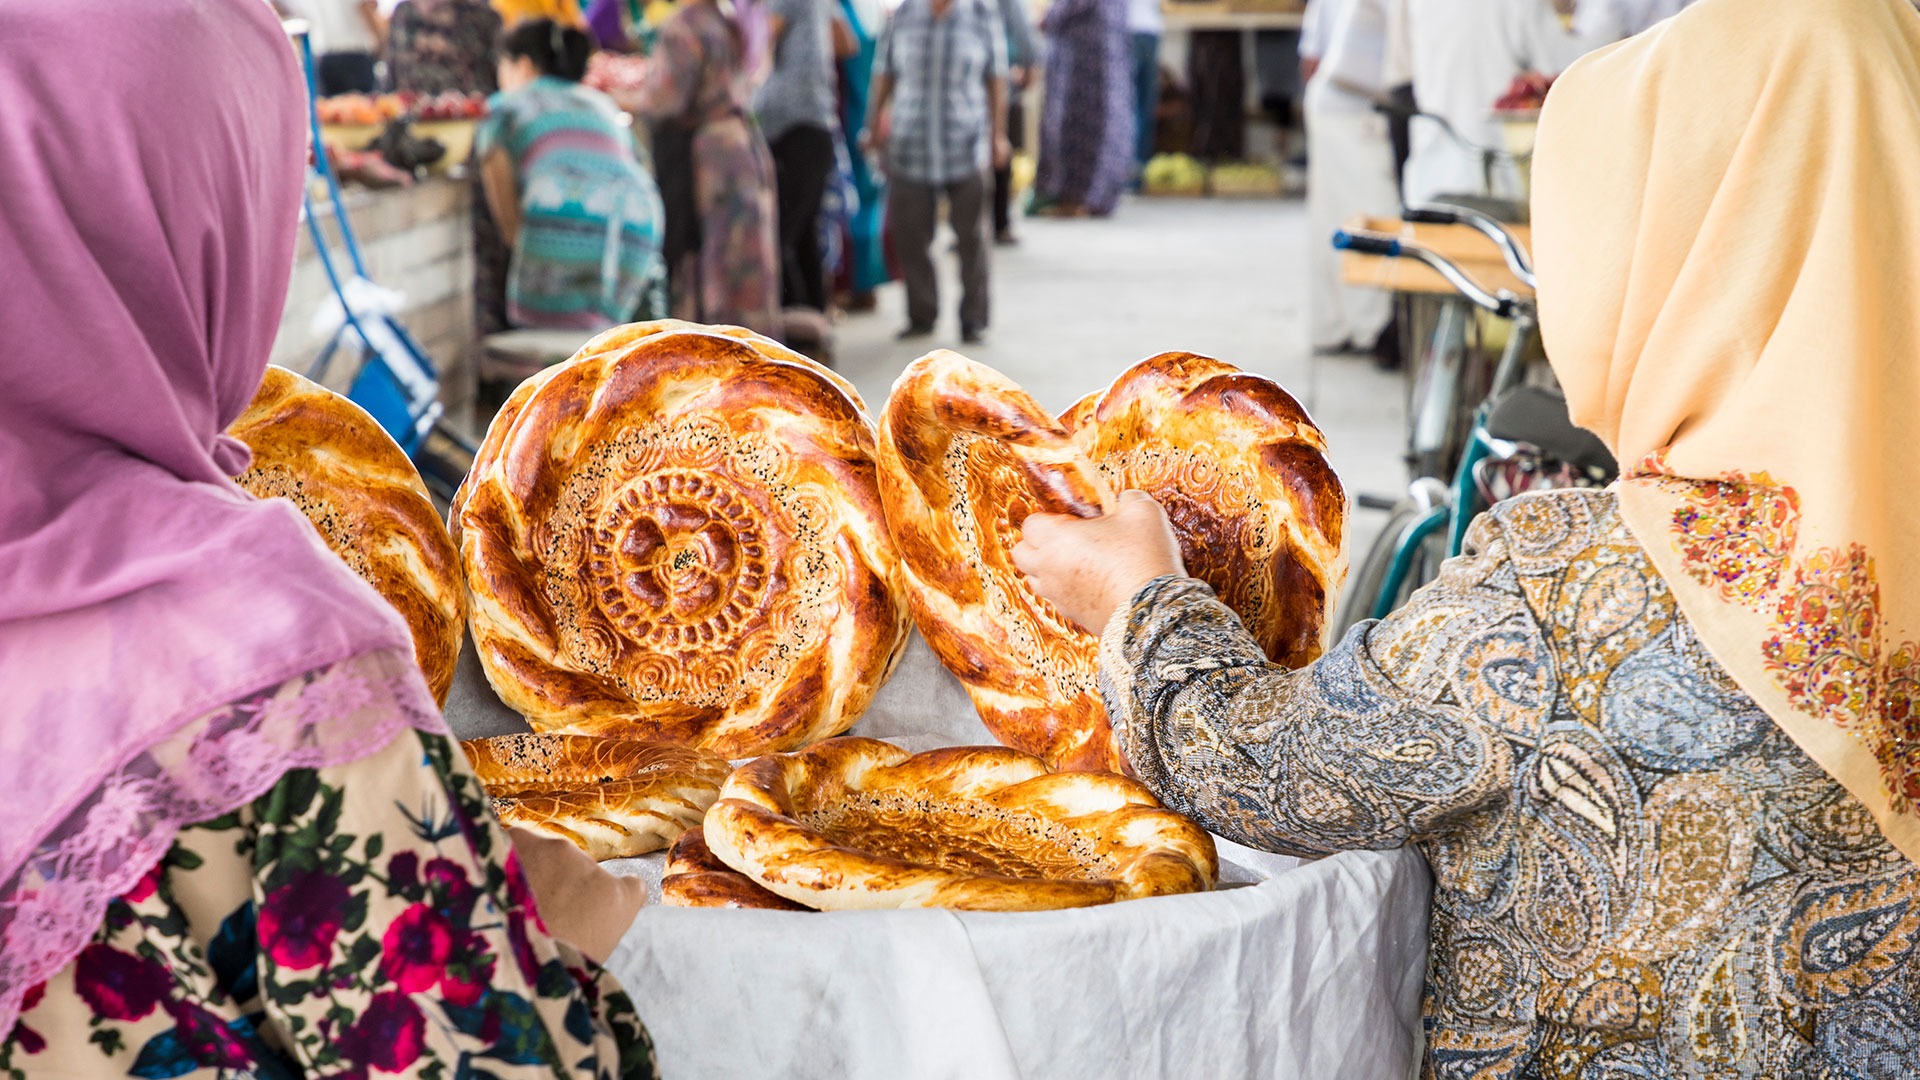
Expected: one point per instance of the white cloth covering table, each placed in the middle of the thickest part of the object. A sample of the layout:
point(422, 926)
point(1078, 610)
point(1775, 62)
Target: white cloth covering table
point(1289, 970)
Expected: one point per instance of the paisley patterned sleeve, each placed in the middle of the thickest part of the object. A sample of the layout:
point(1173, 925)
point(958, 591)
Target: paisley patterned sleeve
point(1390, 737)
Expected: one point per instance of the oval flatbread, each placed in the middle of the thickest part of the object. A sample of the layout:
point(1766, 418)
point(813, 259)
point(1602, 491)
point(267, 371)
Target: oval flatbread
point(679, 537)
point(966, 455)
point(695, 877)
point(613, 798)
point(856, 823)
point(1242, 473)
point(324, 454)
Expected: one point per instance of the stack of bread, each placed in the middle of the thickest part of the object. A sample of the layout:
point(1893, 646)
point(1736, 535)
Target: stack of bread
point(688, 545)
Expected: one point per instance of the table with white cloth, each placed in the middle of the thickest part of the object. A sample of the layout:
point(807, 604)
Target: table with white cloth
point(1288, 970)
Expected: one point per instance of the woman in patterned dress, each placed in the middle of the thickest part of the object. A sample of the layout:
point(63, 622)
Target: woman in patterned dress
point(714, 169)
point(1086, 122)
point(237, 839)
point(1659, 744)
point(557, 161)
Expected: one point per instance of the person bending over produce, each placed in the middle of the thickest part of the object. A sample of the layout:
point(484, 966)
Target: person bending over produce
point(1659, 744)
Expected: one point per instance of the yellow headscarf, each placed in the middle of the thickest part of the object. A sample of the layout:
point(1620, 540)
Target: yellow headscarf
point(1726, 220)
point(564, 12)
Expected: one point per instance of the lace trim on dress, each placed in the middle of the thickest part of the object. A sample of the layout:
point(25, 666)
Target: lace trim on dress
point(220, 762)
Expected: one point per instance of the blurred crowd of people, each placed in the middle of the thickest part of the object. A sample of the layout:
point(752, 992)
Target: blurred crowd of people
point(1400, 109)
point(796, 154)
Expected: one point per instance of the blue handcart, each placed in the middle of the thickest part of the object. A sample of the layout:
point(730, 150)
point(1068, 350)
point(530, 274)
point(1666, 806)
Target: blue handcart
point(397, 382)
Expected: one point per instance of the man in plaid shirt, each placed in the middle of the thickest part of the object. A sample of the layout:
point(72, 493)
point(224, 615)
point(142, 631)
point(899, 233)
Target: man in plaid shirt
point(940, 122)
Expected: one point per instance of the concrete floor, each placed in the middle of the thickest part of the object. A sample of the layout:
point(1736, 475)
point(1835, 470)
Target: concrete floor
point(1078, 301)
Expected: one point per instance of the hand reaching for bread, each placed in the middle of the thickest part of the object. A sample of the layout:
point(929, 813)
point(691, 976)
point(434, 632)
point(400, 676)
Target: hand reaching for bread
point(1090, 567)
point(583, 905)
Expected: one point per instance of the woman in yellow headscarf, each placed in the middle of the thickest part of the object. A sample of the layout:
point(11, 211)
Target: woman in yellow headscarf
point(1659, 743)
point(564, 12)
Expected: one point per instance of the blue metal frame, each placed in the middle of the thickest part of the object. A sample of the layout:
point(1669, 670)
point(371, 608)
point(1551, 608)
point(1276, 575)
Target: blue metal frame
point(407, 407)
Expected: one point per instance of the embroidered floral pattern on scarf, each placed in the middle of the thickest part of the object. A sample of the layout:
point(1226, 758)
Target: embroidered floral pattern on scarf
point(1738, 536)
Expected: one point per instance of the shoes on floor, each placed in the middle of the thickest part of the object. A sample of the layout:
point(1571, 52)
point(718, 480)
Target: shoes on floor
point(914, 330)
point(1345, 348)
point(1005, 239)
point(972, 335)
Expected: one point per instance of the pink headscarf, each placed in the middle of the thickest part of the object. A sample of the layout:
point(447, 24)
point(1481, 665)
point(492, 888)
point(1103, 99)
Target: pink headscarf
point(149, 193)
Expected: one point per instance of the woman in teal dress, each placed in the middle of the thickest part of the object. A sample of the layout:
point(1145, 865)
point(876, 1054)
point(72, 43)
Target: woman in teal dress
point(866, 257)
point(582, 216)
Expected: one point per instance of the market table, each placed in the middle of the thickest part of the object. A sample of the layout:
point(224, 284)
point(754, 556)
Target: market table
point(1288, 970)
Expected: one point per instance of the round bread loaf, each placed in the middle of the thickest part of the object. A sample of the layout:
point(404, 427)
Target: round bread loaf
point(1242, 472)
point(613, 798)
point(323, 453)
point(965, 456)
point(695, 877)
point(679, 537)
point(855, 823)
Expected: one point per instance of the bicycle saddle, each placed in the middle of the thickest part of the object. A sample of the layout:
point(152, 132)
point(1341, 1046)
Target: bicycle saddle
point(1538, 417)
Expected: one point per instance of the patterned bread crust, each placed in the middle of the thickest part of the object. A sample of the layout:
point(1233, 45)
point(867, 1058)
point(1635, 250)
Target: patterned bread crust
point(696, 878)
point(965, 456)
point(855, 823)
point(1242, 472)
point(323, 453)
point(678, 536)
point(613, 798)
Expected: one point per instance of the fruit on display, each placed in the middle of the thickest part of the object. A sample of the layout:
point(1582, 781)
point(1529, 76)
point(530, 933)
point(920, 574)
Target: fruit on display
point(1527, 93)
point(366, 110)
point(1245, 178)
point(1169, 173)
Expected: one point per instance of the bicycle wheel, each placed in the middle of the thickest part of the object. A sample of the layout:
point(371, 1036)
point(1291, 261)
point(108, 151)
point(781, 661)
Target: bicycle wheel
point(1412, 529)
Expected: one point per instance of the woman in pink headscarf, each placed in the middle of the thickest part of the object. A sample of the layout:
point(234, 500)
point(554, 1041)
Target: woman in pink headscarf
point(235, 832)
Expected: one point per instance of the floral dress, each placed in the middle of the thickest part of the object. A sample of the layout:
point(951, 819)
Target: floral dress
point(1637, 874)
point(696, 93)
point(363, 919)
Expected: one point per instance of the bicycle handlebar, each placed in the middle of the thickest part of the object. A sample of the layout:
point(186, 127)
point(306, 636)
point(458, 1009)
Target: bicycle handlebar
point(1386, 245)
point(1516, 256)
point(1395, 111)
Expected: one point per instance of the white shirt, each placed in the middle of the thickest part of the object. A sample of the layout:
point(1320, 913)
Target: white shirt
point(1607, 21)
point(1461, 56)
point(1316, 27)
point(336, 25)
point(1145, 17)
point(1356, 57)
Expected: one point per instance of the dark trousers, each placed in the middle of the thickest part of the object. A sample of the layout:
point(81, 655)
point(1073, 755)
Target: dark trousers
point(1003, 176)
point(913, 212)
point(1146, 94)
point(346, 73)
point(802, 164)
